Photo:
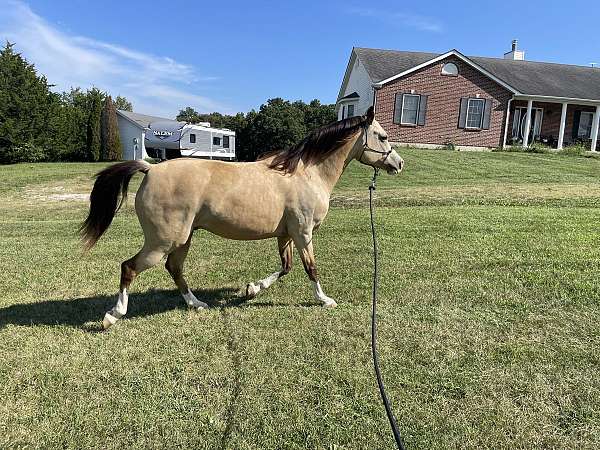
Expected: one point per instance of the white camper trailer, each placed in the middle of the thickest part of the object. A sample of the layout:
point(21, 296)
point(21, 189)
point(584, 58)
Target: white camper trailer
point(157, 137)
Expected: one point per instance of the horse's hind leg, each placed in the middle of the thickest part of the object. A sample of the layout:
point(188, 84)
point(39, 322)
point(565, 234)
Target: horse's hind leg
point(131, 268)
point(286, 252)
point(305, 248)
point(174, 266)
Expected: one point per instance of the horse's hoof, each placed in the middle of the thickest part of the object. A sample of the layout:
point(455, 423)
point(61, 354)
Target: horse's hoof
point(330, 304)
point(251, 291)
point(108, 321)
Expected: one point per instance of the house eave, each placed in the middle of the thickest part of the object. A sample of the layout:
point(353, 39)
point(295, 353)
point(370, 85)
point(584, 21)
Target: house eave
point(554, 99)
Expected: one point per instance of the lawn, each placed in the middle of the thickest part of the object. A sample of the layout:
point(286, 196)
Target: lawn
point(488, 327)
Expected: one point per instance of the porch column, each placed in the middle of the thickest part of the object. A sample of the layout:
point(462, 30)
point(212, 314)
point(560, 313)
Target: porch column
point(595, 128)
point(561, 130)
point(527, 124)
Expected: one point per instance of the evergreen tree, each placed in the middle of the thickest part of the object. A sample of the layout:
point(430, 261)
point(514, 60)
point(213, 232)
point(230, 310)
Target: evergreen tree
point(26, 105)
point(110, 141)
point(123, 104)
point(93, 140)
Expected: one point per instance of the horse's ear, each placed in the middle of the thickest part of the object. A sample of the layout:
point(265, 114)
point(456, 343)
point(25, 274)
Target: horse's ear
point(370, 115)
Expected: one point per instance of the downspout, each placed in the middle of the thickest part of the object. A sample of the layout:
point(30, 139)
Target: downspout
point(506, 121)
point(375, 89)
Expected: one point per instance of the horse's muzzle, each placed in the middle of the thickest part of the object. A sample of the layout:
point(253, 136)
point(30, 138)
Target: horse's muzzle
point(396, 163)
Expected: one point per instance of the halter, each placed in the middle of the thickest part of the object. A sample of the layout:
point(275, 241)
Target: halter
point(366, 147)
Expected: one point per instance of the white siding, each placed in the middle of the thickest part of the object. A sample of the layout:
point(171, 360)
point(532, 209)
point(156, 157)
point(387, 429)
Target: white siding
point(359, 82)
point(204, 146)
point(127, 132)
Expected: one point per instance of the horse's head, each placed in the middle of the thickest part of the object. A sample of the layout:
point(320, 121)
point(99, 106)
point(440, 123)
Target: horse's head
point(374, 149)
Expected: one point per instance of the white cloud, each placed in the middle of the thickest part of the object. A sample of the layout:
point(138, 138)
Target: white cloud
point(400, 19)
point(155, 84)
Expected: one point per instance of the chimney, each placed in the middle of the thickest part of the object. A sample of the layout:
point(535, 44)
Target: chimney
point(515, 54)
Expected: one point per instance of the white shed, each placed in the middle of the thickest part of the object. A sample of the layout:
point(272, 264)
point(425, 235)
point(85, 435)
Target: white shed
point(132, 131)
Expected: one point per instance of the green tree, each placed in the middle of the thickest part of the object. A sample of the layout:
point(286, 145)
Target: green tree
point(75, 113)
point(123, 104)
point(110, 143)
point(27, 110)
point(316, 114)
point(188, 114)
point(93, 140)
point(276, 126)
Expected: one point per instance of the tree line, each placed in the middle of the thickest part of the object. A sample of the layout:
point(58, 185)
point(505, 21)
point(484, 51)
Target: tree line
point(37, 124)
point(277, 124)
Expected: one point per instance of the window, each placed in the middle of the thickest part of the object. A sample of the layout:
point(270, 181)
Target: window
point(216, 140)
point(225, 141)
point(192, 138)
point(475, 113)
point(450, 69)
point(410, 109)
point(585, 125)
point(350, 110)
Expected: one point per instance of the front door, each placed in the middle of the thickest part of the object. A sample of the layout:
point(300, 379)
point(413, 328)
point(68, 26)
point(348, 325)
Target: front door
point(537, 115)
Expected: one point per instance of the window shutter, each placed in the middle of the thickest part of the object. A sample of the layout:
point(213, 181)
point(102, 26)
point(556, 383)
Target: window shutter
point(576, 121)
point(398, 108)
point(422, 110)
point(462, 118)
point(487, 114)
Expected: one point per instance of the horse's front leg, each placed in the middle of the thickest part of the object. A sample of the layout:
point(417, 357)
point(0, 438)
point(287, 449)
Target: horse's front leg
point(305, 248)
point(286, 254)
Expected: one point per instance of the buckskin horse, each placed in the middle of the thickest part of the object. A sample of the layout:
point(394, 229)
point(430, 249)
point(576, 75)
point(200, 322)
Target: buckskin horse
point(283, 195)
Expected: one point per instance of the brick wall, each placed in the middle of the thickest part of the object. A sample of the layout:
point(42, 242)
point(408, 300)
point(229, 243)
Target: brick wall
point(443, 106)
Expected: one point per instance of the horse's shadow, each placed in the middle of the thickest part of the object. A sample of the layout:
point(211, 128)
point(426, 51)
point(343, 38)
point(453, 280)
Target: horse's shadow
point(80, 312)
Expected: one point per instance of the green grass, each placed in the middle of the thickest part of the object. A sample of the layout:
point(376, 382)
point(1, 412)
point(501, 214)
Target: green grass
point(488, 327)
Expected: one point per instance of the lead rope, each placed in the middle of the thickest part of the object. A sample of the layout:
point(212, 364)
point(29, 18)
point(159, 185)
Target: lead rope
point(386, 402)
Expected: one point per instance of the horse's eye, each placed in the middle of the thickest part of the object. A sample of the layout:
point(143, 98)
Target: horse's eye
point(382, 138)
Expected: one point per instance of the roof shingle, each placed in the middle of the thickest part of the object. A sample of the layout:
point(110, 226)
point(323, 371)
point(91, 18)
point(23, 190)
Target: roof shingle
point(527, 77)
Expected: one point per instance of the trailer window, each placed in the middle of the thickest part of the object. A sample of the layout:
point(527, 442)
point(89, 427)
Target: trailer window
point(216, 140)
point(225, 141)
point(192, 138)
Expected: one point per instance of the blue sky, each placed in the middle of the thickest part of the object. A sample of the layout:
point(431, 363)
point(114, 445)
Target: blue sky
point(231, 56)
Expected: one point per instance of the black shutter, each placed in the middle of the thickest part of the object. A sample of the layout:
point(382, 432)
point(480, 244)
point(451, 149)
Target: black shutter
point(487, 114)
point(422, 110)
point(576, 121)
point(462, 118)
point(398, 108)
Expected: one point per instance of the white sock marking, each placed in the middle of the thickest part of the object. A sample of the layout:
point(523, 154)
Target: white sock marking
point(118, 311)
point(266, 282)
point(192, 301)
point(320, 295)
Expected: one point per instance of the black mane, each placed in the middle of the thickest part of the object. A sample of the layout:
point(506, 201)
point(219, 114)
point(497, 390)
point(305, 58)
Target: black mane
point(315, 147)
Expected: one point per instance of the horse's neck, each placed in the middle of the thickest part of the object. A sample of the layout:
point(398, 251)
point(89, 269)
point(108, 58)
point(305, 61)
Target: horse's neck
point(331, 168)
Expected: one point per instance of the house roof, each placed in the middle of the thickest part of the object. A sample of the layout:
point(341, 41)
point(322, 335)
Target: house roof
point(526, 77)
point(142, 120)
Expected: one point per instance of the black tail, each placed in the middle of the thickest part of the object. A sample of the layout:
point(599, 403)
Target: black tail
point(104, 199)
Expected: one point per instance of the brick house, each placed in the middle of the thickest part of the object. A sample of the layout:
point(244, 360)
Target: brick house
point(432, 100)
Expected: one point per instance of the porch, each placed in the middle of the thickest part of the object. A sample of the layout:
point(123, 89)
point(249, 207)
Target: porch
point(554, 123)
